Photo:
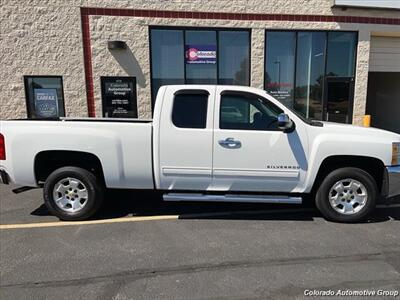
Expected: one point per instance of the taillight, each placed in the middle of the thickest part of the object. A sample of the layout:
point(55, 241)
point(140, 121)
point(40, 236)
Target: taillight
point(2, 148)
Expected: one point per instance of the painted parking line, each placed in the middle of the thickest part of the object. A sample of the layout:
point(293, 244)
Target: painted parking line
point(90, 222)
point(150, 218)
point(164, 217)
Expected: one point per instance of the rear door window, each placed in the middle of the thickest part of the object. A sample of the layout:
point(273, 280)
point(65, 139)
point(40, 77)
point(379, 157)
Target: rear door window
point(190, 110)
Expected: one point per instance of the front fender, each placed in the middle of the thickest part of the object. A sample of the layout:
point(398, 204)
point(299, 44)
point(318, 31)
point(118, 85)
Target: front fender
point(325, 146)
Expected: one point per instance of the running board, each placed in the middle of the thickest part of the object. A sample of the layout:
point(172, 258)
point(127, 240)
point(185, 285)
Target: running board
point(23, 189)
point(232, 198)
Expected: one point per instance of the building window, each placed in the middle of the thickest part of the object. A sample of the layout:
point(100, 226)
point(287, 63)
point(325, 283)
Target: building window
point(190, 110)
point(44, 97)
point(167, 63)
point(234, 57)
point(310, 69)
point(341, 54)
point(199, 56)
point(300, 67)
point(280, 65)
point(201, 69)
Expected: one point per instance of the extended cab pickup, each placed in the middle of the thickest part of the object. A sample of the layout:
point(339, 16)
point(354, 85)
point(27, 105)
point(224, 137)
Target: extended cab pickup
point(205, 143)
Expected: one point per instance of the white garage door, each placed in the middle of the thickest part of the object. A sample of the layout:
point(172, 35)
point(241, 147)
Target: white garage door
point(384, 54)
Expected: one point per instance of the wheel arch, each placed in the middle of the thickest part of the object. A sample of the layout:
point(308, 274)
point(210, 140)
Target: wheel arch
point(372, 165)
point(46, 162)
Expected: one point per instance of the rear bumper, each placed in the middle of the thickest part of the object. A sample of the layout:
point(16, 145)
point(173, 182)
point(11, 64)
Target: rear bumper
point(4, 177)
point(392, 184)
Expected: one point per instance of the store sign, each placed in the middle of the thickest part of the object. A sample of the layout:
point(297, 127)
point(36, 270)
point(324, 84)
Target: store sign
point(46, 103)
point(282, 96)
point(280, 91)
point(119, 97)
point(201, 54)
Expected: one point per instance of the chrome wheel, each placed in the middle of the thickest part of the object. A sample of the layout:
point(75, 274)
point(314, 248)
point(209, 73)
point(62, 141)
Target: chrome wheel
point(70, 194)
point(348, 196)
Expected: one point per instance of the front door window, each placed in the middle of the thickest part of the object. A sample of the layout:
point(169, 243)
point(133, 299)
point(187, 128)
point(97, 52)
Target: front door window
point(247, 112)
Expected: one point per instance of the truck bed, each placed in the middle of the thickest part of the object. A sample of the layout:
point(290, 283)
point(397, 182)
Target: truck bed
point(123, 146)
point(118, 120)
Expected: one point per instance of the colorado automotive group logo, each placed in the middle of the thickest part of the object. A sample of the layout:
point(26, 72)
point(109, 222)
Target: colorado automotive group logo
point(351, 293)
point(201, 54)
point(192, 54)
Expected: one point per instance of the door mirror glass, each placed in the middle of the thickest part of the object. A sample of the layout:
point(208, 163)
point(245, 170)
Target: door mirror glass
point(284, 123)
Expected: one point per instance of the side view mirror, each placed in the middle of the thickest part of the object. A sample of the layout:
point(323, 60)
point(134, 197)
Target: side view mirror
point(284, 123)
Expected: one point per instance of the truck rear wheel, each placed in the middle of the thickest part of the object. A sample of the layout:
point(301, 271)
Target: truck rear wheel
point(72, 193)
point(347, 195)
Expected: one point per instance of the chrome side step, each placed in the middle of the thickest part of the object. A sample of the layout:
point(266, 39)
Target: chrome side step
point(232, 198)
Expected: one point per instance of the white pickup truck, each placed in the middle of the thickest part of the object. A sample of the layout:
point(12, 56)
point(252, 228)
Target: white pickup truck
point(206, 143)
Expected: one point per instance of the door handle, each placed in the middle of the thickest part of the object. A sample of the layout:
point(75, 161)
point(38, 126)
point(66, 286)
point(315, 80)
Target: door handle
point(230, 143)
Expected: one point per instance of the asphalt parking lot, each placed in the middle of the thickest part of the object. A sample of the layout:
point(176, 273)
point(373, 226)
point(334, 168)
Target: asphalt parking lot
point(138, 247)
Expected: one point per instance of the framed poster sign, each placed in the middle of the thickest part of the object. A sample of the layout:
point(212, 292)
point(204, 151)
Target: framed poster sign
point(119, 99)
point(46, 105)
point(44, 97)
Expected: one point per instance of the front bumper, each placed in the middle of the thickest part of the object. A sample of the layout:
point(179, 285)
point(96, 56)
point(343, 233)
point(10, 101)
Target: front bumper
point(392, 182)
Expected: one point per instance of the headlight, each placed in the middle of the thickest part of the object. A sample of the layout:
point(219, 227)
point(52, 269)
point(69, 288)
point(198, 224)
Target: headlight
point(395, 154)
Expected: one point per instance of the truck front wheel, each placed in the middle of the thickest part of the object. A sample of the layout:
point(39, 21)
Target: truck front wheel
point(347, 195)
point(72, 193)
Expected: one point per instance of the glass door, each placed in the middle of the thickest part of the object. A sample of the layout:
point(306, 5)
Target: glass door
point(338, 99)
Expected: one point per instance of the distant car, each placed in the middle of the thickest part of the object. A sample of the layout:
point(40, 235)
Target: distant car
point(204, 146)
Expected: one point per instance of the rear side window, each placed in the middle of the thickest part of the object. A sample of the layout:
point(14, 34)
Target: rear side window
point(190, 110)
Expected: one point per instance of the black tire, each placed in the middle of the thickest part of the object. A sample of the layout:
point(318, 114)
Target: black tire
point(93, 186)
point(322, 196)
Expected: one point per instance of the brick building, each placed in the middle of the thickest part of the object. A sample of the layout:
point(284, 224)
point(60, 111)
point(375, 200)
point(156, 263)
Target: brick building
point(333, 60)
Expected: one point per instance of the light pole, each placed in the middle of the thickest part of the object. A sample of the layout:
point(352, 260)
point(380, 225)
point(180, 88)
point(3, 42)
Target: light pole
point(279, 72)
